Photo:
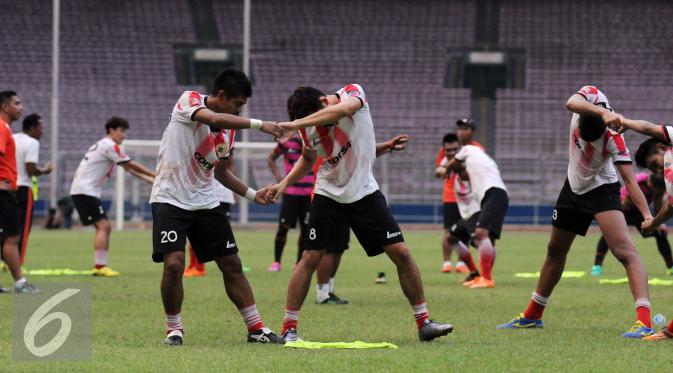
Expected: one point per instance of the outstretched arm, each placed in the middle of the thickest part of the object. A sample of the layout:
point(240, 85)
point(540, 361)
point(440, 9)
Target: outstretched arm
point(662, 217)
point(397, 143)
point(328, 115)
point(34, 170)
point(643, 127)
point(230, 121)
point(139, 171)
point(229, 180)
point(636, 195)
point(301, 168)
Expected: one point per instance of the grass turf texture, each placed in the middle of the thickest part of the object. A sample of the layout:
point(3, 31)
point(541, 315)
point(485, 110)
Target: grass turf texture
point(582, 325)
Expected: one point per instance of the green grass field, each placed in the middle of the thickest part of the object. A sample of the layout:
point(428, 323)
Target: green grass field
point(582, 325)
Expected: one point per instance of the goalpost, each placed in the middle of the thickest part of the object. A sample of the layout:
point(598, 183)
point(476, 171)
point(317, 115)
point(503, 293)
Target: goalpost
point(145, 151)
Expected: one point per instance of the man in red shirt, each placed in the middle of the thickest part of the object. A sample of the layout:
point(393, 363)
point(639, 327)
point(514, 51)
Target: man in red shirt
point(449, 148)
point(10, 111)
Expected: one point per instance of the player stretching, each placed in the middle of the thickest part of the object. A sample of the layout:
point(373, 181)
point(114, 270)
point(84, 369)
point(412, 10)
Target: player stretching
point(591, 191)
point(491, 194)
point(339, 128)
point(654, 190)
point(10, 111)
point(185, 206)
point(656, 154)
point(296, 201)
point(93, 171)
point(27, 155)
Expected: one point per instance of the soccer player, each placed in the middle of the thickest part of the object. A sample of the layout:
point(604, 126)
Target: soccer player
point(96, 167)
point(590, 192)
point(491, 195)
point(329, 264)
point(10, 111)
point(185, 206)
point(27, 155)
point(296, 201)
point(339, 128)
point(653, 188)
point(226, 197)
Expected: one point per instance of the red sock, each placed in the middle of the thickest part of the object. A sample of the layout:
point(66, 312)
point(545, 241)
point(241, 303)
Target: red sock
point(99, 266)
point(644, 315)
point(420, 313)
point(194, 261)
point(290, 320)
point(469, 262)
point(486, 256)
point(251, 318)
point(536, 307)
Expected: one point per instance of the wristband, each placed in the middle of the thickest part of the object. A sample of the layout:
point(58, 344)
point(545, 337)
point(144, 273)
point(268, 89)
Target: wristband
point(255, 124)
point(250, 194)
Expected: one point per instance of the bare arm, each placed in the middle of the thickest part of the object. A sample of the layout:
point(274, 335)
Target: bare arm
point(230, 121)
point(34, 170)
point(642, 127)
point(140, 176)
point(636, 195)
point(301, 168)
point(397, 143)
point(271, 162)
point(662, 217)
point(229, 180)
point(138, 168)
point(328, 115)
point(579, 105)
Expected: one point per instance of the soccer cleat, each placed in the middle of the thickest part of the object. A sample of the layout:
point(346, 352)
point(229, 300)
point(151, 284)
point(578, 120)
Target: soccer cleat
point(662, 334)
point(381, 278)
point(462, 268)
point(274, 267)
point(4, 290)
point(638, 331)
point(265, 335)
point(105, 272)
point(26, 289)
point(483, 283)
point(290, 335)
point(521, 322)
point(447, 267)
point(471, 279)
point(431, 330)
point(174, 338)
point(670, 272)
point(194, 272)
point(332, 299)
point(596, 270)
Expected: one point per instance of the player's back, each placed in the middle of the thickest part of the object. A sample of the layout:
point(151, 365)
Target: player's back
point(96, 167)
point(482, 169)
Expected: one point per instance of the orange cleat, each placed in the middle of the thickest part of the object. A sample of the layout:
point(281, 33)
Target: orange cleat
point(447, 267)
point(483, 283)
point(471, 281)
point(193, 272)
point(462, 268)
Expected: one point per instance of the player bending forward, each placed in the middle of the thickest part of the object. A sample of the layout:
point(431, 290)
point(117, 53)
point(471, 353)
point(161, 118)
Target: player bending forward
point(592, 192)
point(339, 128)
point(185, 205)
point(657, 155)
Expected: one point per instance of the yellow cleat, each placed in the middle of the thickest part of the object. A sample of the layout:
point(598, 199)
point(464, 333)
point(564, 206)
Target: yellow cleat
point(105, 272)
point(663, 334)
point(483, 283)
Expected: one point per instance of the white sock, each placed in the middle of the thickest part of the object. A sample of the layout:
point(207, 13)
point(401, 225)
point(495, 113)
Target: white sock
point(323, 292)
point(331, 285)
point(20, 282)
point(100, 257)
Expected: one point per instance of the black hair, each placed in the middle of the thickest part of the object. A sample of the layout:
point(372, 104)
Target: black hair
point(234, 83)
point(657, 181)
point(31, 121)
point(646, 148)
point(303, 102)
point(116, 122)
point(6, 96)
point(450, 138)
point(591, 128)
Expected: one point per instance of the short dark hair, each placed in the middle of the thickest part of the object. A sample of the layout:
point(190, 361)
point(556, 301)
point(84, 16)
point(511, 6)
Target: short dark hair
point(31, 121)
point(450, 138)
point(646, 148)
point(303, 102)
point(234, 83)
point(6, 96)
point(591, 128)
point(116, 122)
point(657, 181)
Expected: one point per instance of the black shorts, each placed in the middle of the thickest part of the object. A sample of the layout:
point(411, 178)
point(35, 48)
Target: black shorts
point(635, 219)
point(89, 208)
point(493, 210)
point(227, 209)
point(575, 212)
point(369, 218)
point(208, 231)
point(24, 197)
point(294, 208)
point(463, 229)
point(341, 241)
point(9, 214)
point(451, 214)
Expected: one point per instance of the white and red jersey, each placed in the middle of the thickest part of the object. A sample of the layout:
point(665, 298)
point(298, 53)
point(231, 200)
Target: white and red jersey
point(187, 158)
point(591, 162)
point(97, 167)
point(465, 198)
point(482, 169)
point(349, 152)
point(668, 162)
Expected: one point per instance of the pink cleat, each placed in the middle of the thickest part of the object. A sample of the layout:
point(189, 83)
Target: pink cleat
point(274, 267)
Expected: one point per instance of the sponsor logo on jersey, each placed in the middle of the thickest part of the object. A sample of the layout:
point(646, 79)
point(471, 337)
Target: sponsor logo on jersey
point(337, 158)
point(203, 161)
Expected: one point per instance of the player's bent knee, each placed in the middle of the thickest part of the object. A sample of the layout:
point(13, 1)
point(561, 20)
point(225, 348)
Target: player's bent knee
point(312, 258)
point(229, 264)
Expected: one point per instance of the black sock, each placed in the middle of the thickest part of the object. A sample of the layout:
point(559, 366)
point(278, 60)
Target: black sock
point(601, 250)
point(279, 243)
point(664, 248)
